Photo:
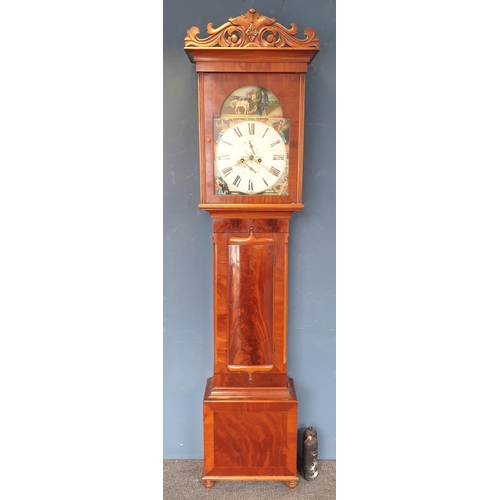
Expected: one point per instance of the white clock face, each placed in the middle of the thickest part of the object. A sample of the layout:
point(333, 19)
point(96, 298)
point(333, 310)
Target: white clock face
point(250, 158)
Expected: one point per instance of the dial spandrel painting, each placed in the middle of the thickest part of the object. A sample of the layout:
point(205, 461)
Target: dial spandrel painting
point(251, 144)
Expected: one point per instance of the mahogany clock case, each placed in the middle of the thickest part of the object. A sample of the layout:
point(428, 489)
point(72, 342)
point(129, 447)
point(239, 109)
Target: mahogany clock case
point(250, 409)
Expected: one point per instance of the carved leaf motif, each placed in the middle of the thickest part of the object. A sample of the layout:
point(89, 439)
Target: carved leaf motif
point(251, 30)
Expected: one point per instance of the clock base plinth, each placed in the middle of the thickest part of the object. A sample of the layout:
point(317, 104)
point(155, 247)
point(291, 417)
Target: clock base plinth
point(250, 434)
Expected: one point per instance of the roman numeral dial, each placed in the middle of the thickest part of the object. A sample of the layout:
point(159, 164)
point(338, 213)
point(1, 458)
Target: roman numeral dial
point(251, 157)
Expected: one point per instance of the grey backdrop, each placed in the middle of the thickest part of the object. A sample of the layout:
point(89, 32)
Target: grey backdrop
point(188, 301)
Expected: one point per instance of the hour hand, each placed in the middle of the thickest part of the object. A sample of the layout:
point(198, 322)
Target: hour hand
point(240, 162)
point(252, 169)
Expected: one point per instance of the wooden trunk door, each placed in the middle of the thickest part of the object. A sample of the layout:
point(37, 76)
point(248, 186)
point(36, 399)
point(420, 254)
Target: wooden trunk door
point(250, 303)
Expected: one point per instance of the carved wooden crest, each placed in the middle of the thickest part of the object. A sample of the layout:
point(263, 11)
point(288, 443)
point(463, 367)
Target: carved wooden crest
point(251, 30)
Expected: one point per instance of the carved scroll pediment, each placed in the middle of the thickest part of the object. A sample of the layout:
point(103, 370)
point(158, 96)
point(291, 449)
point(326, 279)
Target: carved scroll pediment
point(251, 30)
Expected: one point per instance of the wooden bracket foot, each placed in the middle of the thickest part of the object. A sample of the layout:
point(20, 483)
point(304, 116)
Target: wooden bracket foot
point(292, 484)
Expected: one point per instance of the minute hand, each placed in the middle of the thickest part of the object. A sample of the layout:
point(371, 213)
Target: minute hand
point(245, 164)
point(273, 170)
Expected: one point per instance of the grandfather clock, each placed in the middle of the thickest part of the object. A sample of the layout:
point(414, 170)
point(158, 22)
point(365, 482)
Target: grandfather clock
point(251, 94)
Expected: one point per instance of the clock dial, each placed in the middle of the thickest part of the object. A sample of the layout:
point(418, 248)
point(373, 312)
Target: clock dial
point(250, 158)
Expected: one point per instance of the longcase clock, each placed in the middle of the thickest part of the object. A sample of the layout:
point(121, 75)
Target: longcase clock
point(251, 95)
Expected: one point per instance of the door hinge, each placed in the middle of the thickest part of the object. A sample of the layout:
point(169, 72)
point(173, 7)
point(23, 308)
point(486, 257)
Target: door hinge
point(274, 259)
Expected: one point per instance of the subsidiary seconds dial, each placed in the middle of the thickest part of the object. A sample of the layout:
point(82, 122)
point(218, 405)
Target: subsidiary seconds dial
point(250, 158)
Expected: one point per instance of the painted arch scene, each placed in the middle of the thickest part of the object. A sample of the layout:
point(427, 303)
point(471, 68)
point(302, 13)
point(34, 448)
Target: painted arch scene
point(251, 100)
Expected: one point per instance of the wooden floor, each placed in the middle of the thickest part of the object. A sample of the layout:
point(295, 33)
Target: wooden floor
point(182, 481)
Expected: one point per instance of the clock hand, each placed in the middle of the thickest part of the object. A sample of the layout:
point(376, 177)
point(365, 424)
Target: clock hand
point(258, 161)
point(250, 144)
point(272, 170)
point(240, 162)
point(247, 165)
point(243, 163)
